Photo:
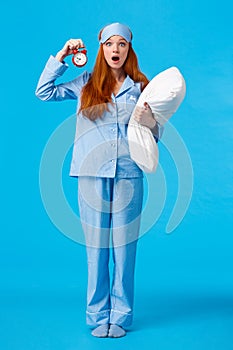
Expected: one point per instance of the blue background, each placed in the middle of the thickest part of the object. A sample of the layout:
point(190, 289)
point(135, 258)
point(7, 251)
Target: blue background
point(184, 282)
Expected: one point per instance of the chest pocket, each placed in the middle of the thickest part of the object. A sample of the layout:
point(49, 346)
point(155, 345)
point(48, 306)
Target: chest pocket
point(130, 102)
point(127, 103)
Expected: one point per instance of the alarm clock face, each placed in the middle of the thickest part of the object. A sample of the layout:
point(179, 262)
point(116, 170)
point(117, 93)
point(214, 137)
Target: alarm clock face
point(79, 59)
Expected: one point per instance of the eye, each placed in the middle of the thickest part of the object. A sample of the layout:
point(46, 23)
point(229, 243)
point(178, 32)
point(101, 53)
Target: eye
point(122, 44)
point(108, 43)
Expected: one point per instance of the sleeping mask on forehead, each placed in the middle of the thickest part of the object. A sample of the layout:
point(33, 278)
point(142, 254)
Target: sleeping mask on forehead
point(115, 29)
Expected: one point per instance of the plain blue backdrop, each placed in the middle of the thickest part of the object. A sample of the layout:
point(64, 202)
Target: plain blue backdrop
point(184, 281)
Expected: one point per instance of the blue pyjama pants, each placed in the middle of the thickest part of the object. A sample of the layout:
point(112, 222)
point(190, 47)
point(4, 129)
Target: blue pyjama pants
point(110, 210)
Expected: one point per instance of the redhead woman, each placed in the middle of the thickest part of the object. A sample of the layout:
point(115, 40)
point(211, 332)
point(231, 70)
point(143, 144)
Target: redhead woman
point(110, 184)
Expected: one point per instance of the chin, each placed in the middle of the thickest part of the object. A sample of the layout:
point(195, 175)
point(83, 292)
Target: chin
point(116, 66)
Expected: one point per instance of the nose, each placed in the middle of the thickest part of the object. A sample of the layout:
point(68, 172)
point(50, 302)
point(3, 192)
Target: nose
point(115, 48)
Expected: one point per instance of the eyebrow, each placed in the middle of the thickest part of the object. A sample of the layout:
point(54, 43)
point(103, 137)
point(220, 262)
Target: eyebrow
point(122, 39)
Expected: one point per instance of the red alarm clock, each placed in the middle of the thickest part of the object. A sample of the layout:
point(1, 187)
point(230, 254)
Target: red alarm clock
point(79, 58)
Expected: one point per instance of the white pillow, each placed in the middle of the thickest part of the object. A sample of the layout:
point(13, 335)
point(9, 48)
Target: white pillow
point(164, 94)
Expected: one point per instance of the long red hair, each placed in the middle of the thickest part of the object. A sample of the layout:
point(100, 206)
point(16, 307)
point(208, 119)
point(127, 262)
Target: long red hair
point(96, 94)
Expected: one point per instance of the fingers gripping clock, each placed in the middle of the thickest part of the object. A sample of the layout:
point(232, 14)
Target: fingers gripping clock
point(79, 58)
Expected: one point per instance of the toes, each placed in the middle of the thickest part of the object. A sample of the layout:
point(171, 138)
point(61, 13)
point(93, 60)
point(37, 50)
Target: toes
point(101, 331)
point(116, 331)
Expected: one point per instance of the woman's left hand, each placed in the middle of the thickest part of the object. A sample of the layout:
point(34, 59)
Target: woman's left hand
point(144, 116)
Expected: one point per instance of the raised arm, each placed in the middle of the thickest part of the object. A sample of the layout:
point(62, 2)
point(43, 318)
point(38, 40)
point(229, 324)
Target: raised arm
point(55, 67)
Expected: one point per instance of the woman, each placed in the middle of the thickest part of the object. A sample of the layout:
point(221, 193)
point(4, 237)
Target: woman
point(110, 184)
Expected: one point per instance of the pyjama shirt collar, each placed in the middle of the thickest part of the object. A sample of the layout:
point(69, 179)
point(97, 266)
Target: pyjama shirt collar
point(127, 84)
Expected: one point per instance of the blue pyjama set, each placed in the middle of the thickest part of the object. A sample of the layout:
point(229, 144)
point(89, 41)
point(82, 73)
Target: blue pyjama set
point(110, 193)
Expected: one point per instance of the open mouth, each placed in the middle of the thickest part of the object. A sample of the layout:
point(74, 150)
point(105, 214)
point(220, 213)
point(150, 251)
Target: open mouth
point(115, 58)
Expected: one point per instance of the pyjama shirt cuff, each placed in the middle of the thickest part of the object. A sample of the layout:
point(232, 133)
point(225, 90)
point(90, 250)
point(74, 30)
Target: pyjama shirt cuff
point(157, 131)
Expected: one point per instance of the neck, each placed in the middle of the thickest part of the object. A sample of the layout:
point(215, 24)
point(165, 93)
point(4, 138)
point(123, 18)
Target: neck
point(119, 75)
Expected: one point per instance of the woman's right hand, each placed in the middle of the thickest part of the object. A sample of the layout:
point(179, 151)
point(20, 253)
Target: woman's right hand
point(68, 48)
